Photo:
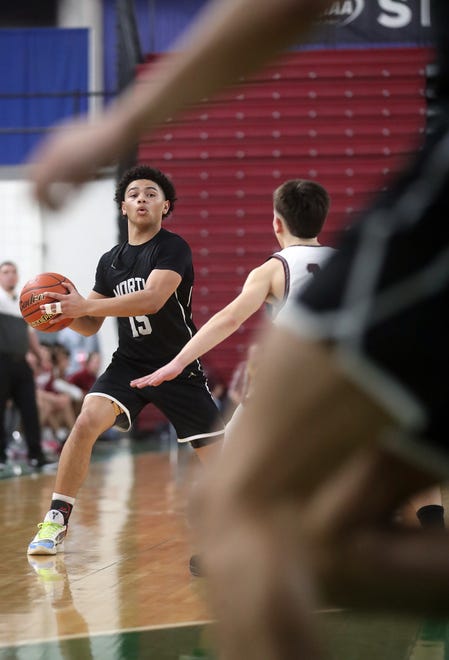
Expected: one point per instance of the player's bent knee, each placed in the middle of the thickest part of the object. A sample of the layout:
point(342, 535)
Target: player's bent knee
point(90, 424)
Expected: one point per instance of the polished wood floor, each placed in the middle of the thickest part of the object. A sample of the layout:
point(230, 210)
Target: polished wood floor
point(125, 564)
point(122, 589)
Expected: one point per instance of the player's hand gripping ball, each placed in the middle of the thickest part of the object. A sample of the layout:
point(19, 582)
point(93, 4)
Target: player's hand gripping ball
point(32, 297)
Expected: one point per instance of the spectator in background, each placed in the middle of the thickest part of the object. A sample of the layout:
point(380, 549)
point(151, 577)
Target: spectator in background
point(83, 379)
point(237, 384)
point(217, 385)
point(79, 348)
point(86, 375)
point(242, 377)
point(16, 376)
point(61, 384)
point(56, 411)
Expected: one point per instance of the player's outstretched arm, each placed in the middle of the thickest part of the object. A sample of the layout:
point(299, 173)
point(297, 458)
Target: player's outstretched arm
point(168, 372)
point(220, 326)
point(229, 39)
point(254, 293)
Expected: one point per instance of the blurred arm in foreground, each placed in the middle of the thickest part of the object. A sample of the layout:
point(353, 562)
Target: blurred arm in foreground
point(229, 39)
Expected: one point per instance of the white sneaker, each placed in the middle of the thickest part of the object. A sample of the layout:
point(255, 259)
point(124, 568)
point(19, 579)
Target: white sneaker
point(50, 537)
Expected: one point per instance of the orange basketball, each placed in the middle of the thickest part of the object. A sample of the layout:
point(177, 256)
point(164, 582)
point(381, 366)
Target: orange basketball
point(32, 297)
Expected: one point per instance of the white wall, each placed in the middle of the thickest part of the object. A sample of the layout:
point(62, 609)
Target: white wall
point(69, 242)
point(74, 240)
point(20, 229)
point(87, 14)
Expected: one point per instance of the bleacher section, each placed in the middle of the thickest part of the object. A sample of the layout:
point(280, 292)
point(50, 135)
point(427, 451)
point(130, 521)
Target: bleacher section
point(347, 118)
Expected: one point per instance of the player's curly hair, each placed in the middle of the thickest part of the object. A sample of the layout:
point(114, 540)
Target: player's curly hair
point(151, 174)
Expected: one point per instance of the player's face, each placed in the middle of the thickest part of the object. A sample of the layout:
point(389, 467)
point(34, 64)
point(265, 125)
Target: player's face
point(144, 202)
point(8, 277)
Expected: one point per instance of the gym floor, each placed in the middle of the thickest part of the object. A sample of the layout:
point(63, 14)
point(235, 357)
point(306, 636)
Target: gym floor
point(122, 588)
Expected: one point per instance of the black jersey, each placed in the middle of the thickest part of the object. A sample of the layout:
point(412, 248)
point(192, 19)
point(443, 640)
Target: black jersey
point(153, 339)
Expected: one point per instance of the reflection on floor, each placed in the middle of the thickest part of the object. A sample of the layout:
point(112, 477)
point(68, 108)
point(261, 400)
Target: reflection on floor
point(122, 589)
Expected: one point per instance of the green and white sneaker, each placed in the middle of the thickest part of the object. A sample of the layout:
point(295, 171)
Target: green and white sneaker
point(50, 538)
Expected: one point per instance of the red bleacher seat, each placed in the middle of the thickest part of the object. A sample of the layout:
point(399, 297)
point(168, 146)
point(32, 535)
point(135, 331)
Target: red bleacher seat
point(348, 119)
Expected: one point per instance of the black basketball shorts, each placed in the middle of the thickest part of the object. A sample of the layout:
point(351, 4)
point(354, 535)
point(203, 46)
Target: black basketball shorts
point(383, 302)
point(186, 402)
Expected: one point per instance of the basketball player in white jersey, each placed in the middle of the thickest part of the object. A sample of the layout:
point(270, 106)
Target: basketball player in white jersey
point(300, 210)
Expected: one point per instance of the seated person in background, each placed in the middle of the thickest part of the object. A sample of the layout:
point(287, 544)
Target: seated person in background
point(55, 407)
point(86, 376)
point(79, 348)
point(42, 371)
point(60, 383)
point(237, 385)
point(217, 386)
point(242, 376)
point(83, 379)
point(242, 384)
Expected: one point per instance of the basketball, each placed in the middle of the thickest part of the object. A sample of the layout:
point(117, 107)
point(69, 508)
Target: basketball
point(32, 297)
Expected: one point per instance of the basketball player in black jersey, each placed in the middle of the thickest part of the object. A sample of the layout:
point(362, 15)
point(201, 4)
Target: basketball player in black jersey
point(147, 283)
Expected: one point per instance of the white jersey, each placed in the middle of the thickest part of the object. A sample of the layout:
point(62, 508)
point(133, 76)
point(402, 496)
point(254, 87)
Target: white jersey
point(301, 263)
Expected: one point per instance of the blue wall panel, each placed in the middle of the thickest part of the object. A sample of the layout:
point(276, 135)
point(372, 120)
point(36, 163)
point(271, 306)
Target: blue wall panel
point(159, 24)
point(43, 79)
